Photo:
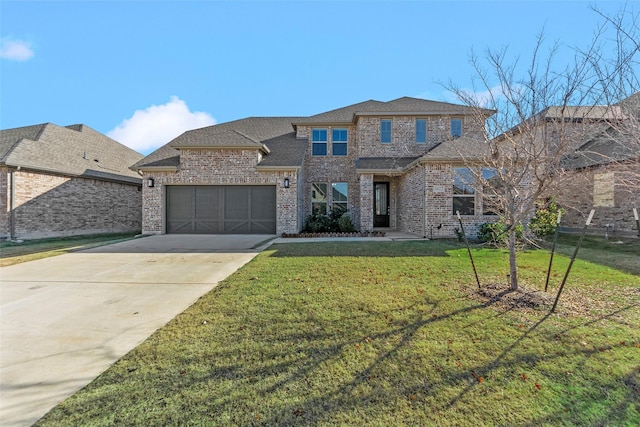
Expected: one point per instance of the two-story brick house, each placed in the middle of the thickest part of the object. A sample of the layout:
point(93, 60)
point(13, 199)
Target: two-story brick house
point(393, 165)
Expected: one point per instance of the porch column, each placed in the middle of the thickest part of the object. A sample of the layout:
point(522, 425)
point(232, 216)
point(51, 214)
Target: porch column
point(366, 202)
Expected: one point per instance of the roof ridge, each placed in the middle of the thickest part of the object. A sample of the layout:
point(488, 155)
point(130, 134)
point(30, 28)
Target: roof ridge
point(245, 136)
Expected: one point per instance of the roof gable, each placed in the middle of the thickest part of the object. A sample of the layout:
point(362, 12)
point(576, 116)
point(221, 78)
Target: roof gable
point(401, 106)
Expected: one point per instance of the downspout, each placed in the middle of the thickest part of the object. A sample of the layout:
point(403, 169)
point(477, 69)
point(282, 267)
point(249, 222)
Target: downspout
point(12, 216)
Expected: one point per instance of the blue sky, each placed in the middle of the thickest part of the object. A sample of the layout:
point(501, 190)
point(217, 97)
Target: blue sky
point(144, 72)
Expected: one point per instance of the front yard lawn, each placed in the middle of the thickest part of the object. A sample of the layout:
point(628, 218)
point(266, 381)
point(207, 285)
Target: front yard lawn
point(17, 252)
point(383, 334)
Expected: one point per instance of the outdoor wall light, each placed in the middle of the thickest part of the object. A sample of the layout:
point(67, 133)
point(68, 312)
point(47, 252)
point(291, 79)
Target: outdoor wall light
point(286, 183)
point(150, 182)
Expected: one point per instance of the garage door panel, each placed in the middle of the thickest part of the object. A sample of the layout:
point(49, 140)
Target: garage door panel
point(221, 209)
point(236, 203)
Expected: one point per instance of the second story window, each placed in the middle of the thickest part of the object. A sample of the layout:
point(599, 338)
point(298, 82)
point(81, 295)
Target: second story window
point(319, 142)
point(421, 131)
point(385, 131)
point(456, 128)
point(339, 139)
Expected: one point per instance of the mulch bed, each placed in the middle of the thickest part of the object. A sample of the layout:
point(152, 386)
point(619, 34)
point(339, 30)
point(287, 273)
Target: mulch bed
point(573, 302)
point(314, 235)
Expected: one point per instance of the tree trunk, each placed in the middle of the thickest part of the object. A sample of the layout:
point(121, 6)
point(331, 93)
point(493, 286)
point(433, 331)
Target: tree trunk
point(513, 267)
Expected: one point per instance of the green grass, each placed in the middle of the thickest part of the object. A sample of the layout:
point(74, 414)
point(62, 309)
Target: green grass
point(380, 334)
point(620, 253)
point(14, 253)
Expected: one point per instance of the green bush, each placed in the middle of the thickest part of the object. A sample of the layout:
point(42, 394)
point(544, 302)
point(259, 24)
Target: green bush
point(345, 224)
point(495, 233)
point(545, 220)
point(335, 221)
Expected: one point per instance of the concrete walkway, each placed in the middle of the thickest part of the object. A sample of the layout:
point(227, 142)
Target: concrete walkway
point(66, 319)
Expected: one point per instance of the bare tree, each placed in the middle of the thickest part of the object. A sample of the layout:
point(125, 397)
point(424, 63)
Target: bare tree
point(546, 112)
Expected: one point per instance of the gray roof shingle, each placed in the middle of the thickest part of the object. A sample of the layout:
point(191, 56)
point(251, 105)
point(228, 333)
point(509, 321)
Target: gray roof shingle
point(458, 149)
point(397, 106)
point(276, 133)
point(75, 150)
point(391, 164)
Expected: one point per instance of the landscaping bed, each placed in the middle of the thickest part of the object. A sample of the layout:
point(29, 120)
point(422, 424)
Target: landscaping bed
point(334, 234)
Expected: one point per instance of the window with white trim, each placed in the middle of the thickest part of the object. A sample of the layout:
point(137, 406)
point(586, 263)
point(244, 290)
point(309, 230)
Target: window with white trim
point(421, 131)
point(319, 198)
point(463, 191)
point(339, 138)
point(319, 142)
point(339, 196)
point(385, 131)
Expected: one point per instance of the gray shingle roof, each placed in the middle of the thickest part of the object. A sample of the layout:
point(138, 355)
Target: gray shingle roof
point(397, 106)
point(276, 133)
point(250, 132)
point(384, 163)
point(75, 150)
point(284, 150)
point(458, 149)
point(608, 145)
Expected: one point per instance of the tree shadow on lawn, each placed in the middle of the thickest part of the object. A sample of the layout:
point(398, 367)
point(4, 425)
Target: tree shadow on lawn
point(362, 395)
point(347, 397)
point(292, 384)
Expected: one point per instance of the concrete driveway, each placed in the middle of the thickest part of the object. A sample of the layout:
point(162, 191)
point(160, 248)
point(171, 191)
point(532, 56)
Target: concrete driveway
point(64, 320)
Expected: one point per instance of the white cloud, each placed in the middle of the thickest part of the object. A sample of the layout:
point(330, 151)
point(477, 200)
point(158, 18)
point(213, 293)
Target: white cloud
point(15, 50)
point(154, 126)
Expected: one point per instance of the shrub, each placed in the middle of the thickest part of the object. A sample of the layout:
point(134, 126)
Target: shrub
point(337, 220)
point(495, 233)
point(545, 221)
point(345, 224)
point(317, 223)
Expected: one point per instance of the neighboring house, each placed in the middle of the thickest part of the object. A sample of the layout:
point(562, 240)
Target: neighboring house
point(604, 174)
point(393, 165)
point(61, 181)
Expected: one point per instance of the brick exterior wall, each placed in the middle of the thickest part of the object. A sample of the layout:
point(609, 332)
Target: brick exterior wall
point(611, 190)
point(4, 202)
point(220, 167)
point(411, 196)
point(332, 169)
point(407, 192)
point(48, 205)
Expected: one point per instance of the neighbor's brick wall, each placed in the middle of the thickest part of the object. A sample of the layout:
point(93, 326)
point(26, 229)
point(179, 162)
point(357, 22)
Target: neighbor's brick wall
point(48, 205)
point(4, 202)
point(614, 205)
point(220, 167)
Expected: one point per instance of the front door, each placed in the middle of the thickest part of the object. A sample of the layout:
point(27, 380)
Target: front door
point(381, 204)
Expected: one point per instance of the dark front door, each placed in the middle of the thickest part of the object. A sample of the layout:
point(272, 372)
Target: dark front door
point(380, 204)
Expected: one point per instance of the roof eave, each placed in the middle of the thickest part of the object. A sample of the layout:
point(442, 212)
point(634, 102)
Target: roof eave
point(277, 168)
point(156, 168)
point(223, 147)
point(393, 172)
point(21, 166)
